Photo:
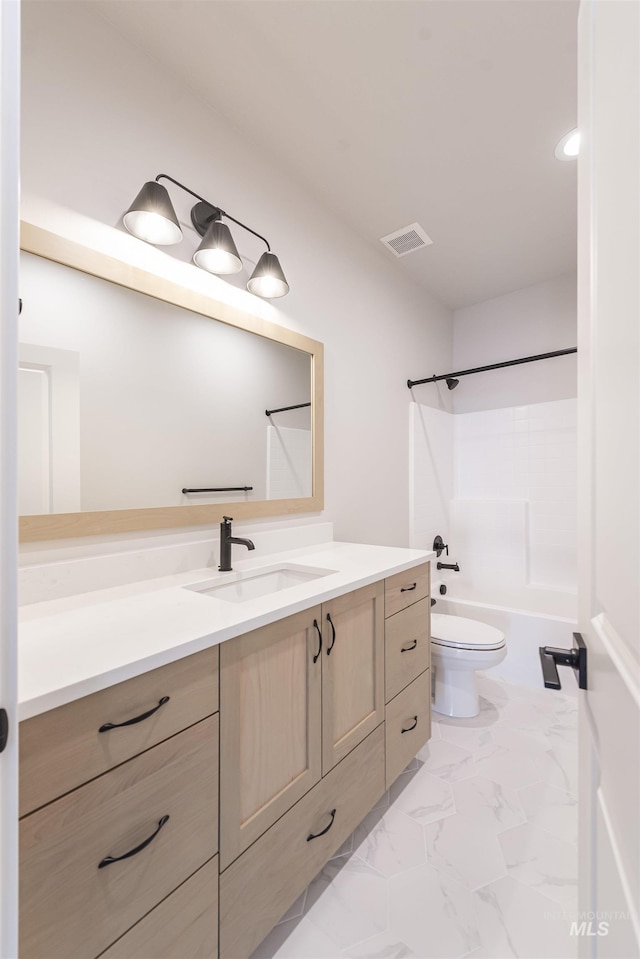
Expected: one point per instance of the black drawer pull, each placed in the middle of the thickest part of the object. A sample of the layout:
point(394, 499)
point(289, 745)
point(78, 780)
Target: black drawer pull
point(407, 649)
point(317, 655)
point(134, 852)
point(136, 719)
point(409, 728)
point(408, 589)
point(333, 638)
point(318, 834)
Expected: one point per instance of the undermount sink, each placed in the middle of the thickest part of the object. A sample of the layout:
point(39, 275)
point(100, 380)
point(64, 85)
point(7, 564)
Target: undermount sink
point(253, 584)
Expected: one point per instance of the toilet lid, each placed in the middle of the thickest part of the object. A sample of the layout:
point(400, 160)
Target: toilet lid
point(464, 633)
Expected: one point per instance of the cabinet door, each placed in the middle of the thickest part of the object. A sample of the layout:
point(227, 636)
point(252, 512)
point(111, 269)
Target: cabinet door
point(352, 671)
point(270, 726)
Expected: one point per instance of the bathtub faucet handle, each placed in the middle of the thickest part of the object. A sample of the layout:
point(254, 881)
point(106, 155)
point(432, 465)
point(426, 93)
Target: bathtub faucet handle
point(439, 544)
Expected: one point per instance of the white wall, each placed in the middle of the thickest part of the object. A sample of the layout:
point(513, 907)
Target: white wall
point(537, 319)
point(100, 118)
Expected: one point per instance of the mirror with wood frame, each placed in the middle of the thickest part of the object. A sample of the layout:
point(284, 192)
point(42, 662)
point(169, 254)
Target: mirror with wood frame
point(142, 404)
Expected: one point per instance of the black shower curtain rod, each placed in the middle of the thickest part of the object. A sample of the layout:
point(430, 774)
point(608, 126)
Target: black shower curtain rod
point(283, 409)
point(492, 366)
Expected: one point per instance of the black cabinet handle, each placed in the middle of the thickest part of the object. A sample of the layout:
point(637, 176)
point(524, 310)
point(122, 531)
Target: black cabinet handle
point(324, 831)
point(136, 719)
point(407, 649)
point(333, 638)
point(408, 589)
point(409, 728)
point(317, 655)
point(134, 852)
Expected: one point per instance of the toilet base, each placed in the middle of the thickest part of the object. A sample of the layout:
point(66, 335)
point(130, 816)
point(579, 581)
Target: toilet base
point(455, 693)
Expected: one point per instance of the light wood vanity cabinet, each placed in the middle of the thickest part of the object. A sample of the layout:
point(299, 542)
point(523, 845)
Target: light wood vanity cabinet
point(352, 671)
point(96, 860)
point(258, 888)
point(296, 697)
point(65, 747)
point(312, 729)
point(407, 661)
point(270, 731)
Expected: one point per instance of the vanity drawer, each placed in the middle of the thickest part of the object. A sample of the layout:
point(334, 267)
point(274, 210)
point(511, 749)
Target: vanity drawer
point(63, 748)
point(407, 725)
point(406, 588)
point(407, 646)
point(185, 924)
point(69, 905)
point(258, 888)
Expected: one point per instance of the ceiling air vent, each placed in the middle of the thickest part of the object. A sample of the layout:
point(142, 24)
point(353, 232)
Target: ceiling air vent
point(406, 240)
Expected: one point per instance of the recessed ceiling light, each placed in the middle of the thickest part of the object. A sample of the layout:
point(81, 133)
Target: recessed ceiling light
point(569, 146)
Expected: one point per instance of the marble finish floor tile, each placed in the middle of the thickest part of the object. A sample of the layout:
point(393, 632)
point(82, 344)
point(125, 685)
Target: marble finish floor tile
point(469, 854)
point(446, 761)
point(564, 773)
point(390, 843)
point(520, 736)
point(476, 739)
point(551, 809)
point(348, 901)
point(384, 946)
point(461, 848)
point(516, 921)
point(297, 939)
point(481, 795)
point(514, 768)
point(432, 913)
point(422, 797)
point(543, 862)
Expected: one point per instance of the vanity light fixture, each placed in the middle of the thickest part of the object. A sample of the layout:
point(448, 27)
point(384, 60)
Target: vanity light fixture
point(152, 218)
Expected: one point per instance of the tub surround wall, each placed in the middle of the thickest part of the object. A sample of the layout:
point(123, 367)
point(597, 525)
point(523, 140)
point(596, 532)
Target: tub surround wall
point(514, 515)
point(507, 506)
point(431, 473)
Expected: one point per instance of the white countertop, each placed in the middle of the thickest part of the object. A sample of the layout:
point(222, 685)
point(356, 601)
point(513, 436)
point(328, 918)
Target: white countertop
point(71, 647)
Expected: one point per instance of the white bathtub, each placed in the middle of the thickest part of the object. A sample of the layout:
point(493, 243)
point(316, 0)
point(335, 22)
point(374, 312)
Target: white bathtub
point(529, 618)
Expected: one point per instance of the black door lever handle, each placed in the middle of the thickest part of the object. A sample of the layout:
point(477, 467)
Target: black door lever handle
point(551, 657)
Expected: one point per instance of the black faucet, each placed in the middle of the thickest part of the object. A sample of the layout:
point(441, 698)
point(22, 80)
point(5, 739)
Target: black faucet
point(453, 566)
point(226, 539)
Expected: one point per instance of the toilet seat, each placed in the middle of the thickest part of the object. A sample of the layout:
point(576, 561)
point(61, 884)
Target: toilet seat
point(456, 632)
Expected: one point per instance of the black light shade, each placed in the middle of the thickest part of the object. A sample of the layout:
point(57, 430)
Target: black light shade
point(217, 252)
point(268, 280)
point(451, 382)
point(151, 216)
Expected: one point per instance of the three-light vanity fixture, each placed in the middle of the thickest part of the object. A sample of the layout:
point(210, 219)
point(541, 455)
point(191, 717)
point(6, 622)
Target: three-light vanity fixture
point(152, 218)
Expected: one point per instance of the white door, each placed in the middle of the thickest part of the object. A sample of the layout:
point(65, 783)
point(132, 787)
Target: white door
point(609, 474)
point(9, 114)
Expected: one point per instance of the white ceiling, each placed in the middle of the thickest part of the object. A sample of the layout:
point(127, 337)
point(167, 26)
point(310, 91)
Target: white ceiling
point(444, 112)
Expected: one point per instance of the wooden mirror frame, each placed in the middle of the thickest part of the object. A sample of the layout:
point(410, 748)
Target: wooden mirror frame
point(52, 526)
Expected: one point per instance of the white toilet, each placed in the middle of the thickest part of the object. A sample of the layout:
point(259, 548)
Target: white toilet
point(459, 647)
